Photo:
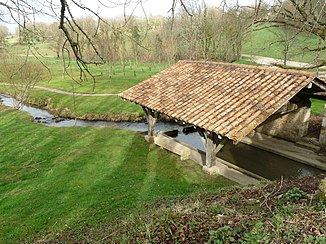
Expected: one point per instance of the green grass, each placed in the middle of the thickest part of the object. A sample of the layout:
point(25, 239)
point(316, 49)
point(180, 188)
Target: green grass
point(263, 43)
point(91, 107)
point(100, 108)
point(317, 106)
point(54, 179)
point(40, 49)
point(109, 78)
point(112, 77)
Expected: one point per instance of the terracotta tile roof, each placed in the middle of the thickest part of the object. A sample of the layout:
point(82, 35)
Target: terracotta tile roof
point(228, 99)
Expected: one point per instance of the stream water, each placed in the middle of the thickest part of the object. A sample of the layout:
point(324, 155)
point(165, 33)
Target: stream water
point(266, 164)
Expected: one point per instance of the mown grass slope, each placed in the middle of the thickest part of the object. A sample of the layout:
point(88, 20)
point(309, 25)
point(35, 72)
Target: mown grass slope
point(54, 179)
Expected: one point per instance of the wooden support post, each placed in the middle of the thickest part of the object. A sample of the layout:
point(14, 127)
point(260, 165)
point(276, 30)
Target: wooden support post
point(151, 117)
point(213, 144)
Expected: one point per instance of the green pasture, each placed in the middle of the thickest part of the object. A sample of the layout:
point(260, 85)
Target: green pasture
point(106, 78)
point(269, 42)
point(64, 74)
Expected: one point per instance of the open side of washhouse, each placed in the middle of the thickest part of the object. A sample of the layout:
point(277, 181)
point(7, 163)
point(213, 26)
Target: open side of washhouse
point(223, 101)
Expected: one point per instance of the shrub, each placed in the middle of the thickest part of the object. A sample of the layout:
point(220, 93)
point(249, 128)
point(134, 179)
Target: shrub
point(295, 194)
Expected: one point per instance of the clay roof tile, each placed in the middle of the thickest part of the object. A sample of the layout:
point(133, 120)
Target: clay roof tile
point(228, 99)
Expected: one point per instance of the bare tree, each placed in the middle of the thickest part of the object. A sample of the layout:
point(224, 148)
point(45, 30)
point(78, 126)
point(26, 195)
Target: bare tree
point(20, 75)
point(287, 38)
point(3, 33)
point(305, 16)
point(55, 38)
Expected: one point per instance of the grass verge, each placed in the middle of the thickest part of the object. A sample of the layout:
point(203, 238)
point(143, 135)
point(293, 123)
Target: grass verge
point(58, 179)
point(111, 108)
point(279, 212)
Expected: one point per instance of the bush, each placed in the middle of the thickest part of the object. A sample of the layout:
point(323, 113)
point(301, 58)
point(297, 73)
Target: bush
point(295, 194)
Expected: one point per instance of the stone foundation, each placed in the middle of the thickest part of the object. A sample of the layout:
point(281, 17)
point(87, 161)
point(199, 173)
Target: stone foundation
point(322, 136)
point(290, 122)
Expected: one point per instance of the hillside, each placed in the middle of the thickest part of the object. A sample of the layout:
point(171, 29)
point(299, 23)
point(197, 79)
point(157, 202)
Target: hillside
point(58, 179)
point(290, 211)
point(270, 42)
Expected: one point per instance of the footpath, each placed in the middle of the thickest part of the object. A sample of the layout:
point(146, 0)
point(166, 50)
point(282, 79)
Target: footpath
point(70, 93)
point(274, 61)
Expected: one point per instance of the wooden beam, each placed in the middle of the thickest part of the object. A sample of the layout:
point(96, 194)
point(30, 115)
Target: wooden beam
point(213, 144)
point(151, 117)
point(203, 136)
point(221, 145)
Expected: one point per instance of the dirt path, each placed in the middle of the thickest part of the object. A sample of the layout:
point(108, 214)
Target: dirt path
point(71, 93)
point(272, 61)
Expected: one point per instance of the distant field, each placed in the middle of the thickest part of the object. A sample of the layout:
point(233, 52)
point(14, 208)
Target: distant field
point(109, 78)
point(117, 77)
point(112, 77)
point(264, 43)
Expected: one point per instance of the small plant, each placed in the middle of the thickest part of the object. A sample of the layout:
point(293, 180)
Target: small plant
point(257, 234)
point(216, 209)
point(295, 194)
point(315, 239)
point(223, 234)
point(235, 198)
point(322, 189)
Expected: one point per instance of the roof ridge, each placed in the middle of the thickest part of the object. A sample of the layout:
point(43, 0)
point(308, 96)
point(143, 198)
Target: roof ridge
point(265, 68)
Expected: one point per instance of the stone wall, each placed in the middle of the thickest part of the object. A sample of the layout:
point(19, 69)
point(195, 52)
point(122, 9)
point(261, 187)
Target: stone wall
point(290, 122)
point(322, 136)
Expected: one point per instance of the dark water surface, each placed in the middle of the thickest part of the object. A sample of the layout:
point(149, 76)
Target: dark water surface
point(258, 161)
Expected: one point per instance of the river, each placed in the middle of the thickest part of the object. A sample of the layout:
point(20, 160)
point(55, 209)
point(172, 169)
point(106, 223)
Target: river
point(258, 161)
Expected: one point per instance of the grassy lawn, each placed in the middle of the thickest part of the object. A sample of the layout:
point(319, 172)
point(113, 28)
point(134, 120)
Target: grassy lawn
point(112, 77)
point(109, 78)
point(263, 43)
point(317, 106)
point(55, 179)
point(100, 108)
point(105, 108)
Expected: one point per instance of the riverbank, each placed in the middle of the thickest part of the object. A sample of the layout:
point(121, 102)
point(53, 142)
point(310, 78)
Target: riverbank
point(107, 108)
